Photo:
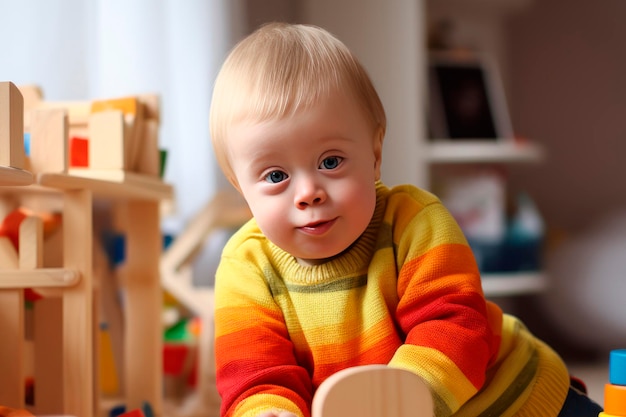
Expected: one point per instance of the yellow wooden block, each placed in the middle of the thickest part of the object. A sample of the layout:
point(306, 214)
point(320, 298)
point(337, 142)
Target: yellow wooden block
point(128, 105)
point(11, 126)
point(109, 384)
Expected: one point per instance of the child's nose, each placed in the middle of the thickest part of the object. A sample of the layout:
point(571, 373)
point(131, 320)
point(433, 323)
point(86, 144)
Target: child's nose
point(308, 193)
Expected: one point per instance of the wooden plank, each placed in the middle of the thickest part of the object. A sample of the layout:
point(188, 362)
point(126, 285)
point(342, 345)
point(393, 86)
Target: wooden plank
point(78, 354)
point(143, 334)
point(15, 176)
point(11, 126)
point(48, 355)
point(43, 277)
point(12, 330)
point(132, 186)
point(49, 141)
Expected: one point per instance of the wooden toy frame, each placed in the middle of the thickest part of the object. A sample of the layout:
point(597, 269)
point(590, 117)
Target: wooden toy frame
point(66, 377)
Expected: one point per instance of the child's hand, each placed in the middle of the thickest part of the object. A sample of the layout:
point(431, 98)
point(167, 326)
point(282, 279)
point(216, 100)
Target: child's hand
point(280, 414)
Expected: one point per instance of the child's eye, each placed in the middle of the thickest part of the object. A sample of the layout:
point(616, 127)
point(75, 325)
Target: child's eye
point(276, 177)
point(331, 162)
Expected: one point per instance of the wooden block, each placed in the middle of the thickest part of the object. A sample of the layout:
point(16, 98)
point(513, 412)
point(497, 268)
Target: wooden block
point(11, 126)
point(152, 107)
point(77, 111)
point(79, 152)
point(133, 111)
point(373, 391)
point(49, 141)
point(128, 105)
point(148, 157)
point(33, 96)
point(106, 140)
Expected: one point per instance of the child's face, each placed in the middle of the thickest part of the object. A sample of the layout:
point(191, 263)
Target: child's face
point(309, 179)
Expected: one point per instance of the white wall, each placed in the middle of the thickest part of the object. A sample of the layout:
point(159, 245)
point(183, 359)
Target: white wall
point(83, 50)
point(387, 38)
point(568, 70)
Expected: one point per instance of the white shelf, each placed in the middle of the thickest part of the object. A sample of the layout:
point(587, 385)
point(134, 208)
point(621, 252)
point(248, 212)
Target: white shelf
point(482, 151)
point(514, 283)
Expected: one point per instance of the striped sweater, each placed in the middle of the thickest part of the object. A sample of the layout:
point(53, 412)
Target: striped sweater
point(407, 293)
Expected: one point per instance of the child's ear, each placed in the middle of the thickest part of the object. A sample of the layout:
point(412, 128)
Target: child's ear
point(379, 135)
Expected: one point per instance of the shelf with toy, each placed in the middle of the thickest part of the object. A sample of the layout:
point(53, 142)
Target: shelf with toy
point(132, 186)
point(125, 158)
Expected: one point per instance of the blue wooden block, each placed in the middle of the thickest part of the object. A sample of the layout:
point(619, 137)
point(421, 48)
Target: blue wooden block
point(617, 367)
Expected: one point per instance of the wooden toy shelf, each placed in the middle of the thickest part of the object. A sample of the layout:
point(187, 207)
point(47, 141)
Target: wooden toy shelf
point(68, 265)
point(138, 198)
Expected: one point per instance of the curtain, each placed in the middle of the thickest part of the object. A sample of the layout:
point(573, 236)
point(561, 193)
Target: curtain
point(83, 50)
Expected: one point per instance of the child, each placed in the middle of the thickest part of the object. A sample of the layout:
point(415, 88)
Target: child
point(336, 269)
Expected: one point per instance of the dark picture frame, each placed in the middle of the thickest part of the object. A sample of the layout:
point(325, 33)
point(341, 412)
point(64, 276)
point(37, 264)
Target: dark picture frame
point(466, 99)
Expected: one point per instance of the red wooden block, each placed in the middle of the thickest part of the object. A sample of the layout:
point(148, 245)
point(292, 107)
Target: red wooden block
point(79, 152)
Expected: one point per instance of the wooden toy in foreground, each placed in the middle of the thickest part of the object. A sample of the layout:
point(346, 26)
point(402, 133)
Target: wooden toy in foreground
point(373, 391)
point(66, 322)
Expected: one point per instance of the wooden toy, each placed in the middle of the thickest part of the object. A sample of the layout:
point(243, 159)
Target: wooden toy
point(12, 158)
point(48, 137)
point(107, 140)
point(373, 391)
point(66, 325)
point(615, 390)
point(11, 126)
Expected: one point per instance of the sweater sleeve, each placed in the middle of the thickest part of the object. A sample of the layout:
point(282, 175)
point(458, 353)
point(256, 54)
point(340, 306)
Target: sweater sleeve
point(449, 340)
point(255, 363)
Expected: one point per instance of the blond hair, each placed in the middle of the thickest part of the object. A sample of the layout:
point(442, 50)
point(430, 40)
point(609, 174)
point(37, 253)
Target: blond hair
point(279, 70)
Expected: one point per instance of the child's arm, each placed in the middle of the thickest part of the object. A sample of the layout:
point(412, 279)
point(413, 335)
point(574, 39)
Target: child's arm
point(256, 366)
point(451, 338)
